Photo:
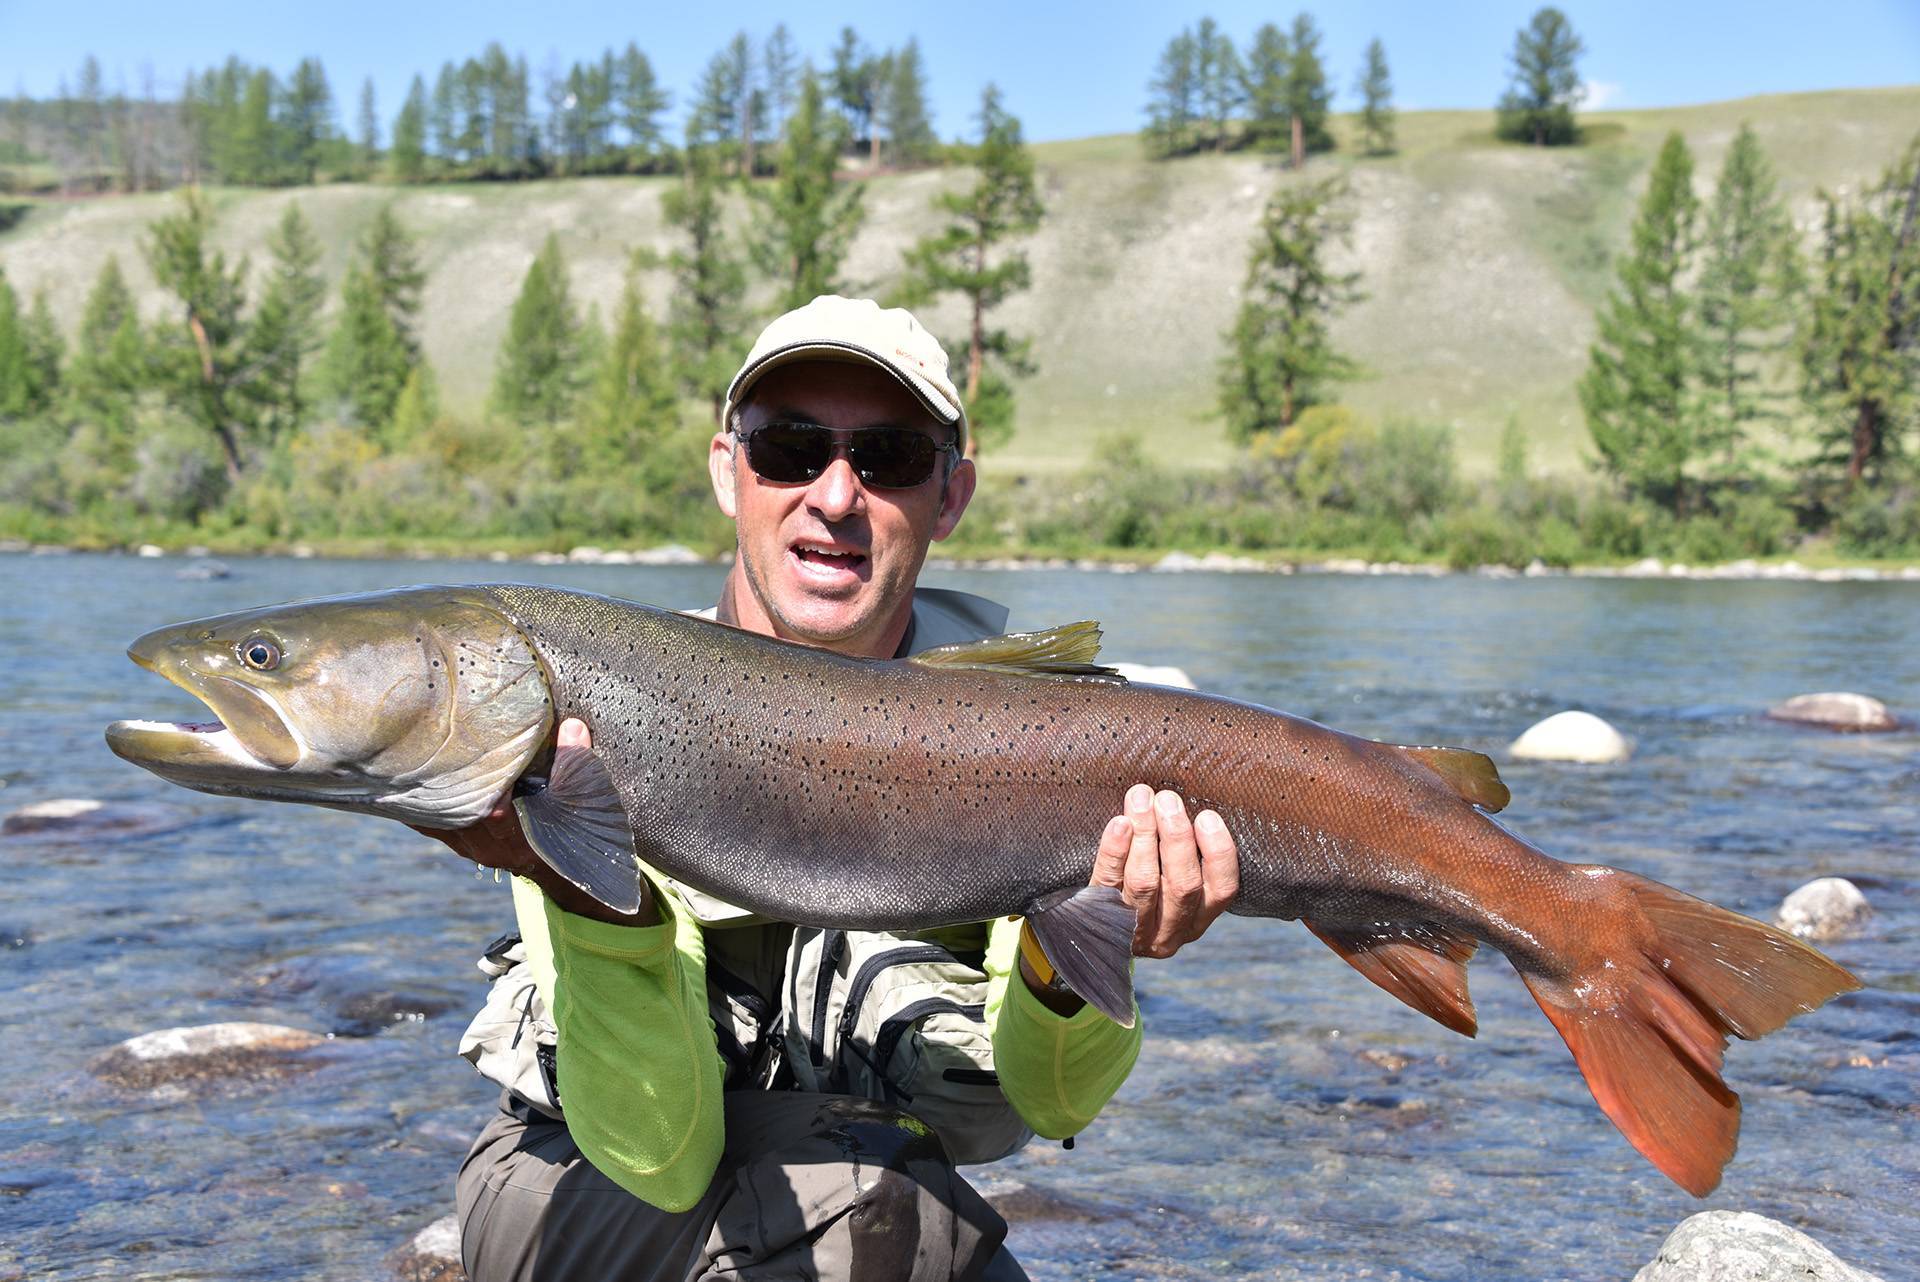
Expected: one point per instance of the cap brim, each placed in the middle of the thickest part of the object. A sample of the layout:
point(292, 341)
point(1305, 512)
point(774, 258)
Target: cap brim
point(852, 354)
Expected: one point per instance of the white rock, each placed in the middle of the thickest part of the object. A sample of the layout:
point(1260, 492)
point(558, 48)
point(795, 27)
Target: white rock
point(1739, 1246)
point(57, 809)
point(587, 555)
point(1836, 710)
point(1148, 674)
point(204, 1052)
point(1646, 568)
point(1825, 908)
point(1537, 569)
point(152, 550)
point(497, 556)
point(668, 554)
point(1177, 562)
point(1572, 736)
point(433, 1255)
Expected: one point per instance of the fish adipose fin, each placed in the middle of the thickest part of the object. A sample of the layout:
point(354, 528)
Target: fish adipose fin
point(1088, 936)
point(1472, 775)
point(1425, 966)
point(1651, 1054)
point(578, 826)
point(1063, 653)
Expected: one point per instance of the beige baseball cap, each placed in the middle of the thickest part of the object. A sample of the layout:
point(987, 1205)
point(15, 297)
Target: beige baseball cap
point(860, 331)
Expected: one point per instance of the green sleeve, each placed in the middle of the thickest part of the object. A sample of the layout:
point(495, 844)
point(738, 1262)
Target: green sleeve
point(1058, 1071)
point(639, 1073)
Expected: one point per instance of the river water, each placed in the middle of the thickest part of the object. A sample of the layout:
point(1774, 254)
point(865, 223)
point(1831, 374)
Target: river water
point(1286, 1118)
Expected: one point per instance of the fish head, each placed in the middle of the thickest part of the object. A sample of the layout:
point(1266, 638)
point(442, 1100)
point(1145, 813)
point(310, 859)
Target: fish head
point(423, 704)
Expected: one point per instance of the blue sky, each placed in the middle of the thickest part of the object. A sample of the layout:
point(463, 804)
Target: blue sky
point(1069, 69)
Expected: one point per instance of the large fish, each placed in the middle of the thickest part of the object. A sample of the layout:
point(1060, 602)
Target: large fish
point(961, 784)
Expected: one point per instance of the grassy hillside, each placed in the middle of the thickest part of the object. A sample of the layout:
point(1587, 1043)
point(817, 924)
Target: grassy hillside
point(1483, 262)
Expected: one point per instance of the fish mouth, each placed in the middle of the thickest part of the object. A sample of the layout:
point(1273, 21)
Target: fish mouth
point(247, 738)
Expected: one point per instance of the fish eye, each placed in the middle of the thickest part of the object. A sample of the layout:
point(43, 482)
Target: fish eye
point(259, 654)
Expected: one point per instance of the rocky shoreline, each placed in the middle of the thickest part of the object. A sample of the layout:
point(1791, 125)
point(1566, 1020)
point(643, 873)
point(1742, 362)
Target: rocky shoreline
point(1175, 562)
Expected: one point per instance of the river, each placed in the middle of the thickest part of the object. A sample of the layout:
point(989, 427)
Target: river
point(1286, 1118)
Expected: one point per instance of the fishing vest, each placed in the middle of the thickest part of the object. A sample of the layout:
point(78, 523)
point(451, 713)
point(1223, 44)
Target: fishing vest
point(896, 1018)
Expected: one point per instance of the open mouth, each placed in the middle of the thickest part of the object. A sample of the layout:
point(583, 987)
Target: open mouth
point(248, 735)
point(827, 561)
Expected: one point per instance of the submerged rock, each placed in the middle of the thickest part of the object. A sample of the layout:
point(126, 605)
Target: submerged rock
point(1836, 710)
point(1825, 908)
point(433, 1255)
point(363, 999)
point(65, 818)
point(203, 1053)
point(1579, 737)
point(203, 571)
point(1739, 1246)
point(1149, 674)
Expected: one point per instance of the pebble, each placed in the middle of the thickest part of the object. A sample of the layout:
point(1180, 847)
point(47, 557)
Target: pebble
point(204, 1053)
point(1578, 737)
point(1739, 1246)
point(1826, 908)
point(433, 1255)
point(1836, 710)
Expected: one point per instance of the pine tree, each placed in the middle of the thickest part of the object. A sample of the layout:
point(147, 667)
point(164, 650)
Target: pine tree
point(630, 400)
point(308, 120)
point(1860, 340)
point(1375, 87)
point(285, 332)
point(443, 121)
point(1638, 390)
point(19, 387)
point(46, 349)
point(803, 221)
point(1281, 353)
point(854, 86)
point(109, 359)
point(641, 102)
point(903, 107)
point(1173, 108)
point(1268, 70)
point(202, 363)
point(254, 140)
point(1309, 97)
point(1538, 107)
point(970, 257)
point(369, 130)
point(409, 156)
point(1219, 78)
point(1749, 278)
point(375, 345)
point(393, 259)
point(538, 374)
point(705, 310)
point(417, 409)
point(779, 72)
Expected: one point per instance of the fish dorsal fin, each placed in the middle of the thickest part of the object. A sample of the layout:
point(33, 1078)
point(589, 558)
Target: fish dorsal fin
point(1063, 653)
point(1471, 775)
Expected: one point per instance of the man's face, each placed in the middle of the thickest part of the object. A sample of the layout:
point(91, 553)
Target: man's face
point(832, 561)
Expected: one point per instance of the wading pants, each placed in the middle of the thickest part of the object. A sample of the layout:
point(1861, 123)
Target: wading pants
point(809, 1186)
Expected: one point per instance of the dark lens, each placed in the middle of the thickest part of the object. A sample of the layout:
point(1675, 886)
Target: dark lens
point(894, 458)
point(788, 452)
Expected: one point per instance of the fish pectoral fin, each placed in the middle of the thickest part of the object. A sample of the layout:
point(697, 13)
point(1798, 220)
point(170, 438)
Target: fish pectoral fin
point(577, 825)
point(1425, 966)
point(1472, 775)
point(1088, 936)
point(1063, 653)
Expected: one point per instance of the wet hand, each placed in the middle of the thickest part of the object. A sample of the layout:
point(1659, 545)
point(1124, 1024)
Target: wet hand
point(1178, 874)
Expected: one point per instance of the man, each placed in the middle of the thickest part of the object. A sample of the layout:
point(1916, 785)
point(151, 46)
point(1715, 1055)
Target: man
point(691, 1091)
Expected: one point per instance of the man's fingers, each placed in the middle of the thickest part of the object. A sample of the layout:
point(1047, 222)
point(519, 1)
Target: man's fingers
point(1219, 863)
point(573, 734)
point(1141, 881)
point(1110, 863)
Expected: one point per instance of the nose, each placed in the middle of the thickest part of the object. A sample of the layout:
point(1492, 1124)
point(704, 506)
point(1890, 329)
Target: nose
point(837, 492)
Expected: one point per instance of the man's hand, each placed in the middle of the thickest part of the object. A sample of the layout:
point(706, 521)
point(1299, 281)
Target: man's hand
point(497, 842)
point(1179, 875)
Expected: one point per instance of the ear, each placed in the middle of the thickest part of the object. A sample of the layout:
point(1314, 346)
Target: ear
point(720, 465)
point(954, 499)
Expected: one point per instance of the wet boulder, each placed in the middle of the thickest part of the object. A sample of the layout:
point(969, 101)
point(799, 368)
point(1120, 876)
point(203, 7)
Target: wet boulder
point(1825, 908)
point(1836, 710)
point(355, 991)
point(85, 819)
point(1578, 737)
point(433, 1255)
point(206, 1053)
point(1739, 1246)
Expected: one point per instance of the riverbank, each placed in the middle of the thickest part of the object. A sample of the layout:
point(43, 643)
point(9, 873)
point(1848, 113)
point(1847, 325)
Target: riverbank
point(1787, 569)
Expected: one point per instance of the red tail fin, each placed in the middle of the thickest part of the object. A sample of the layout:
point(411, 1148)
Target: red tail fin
point(1649, 1038)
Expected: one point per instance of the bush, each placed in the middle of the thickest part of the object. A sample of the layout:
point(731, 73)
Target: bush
point(1882, 521)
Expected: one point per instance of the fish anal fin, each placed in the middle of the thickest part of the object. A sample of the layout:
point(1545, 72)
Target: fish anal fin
point(1088, 936)
point(1066, 652)
point(578, 827)
point(1649, 1031)
point(1472, 775)
point(1425, 966)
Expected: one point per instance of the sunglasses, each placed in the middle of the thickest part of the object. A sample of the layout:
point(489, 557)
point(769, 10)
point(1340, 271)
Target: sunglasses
point(887, 458)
